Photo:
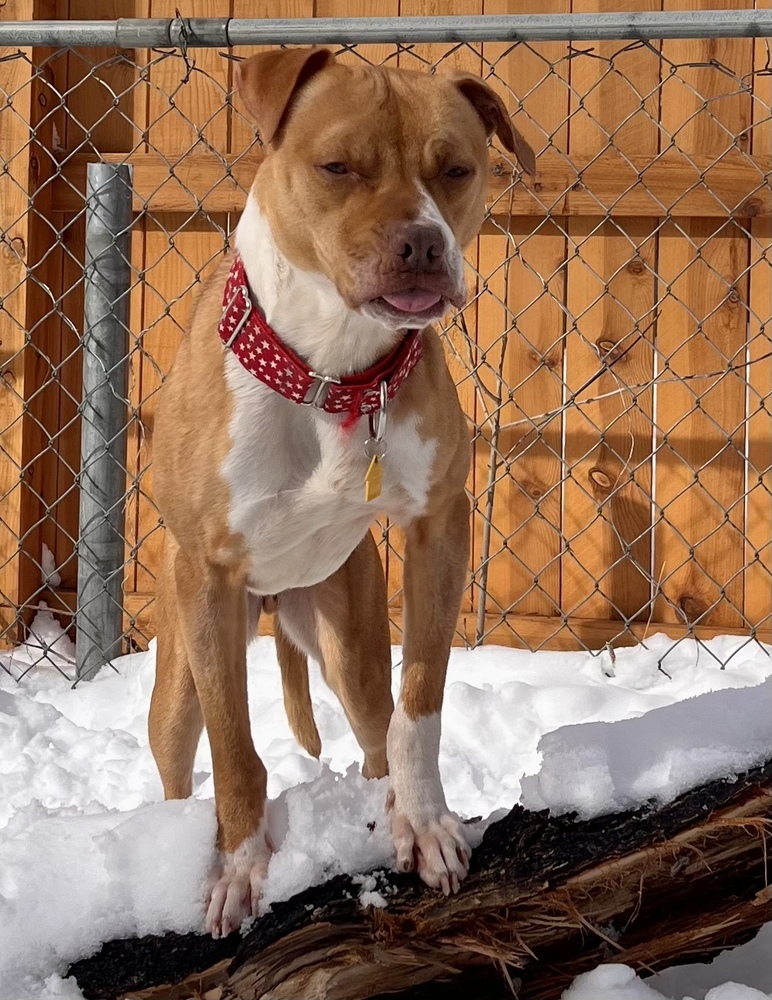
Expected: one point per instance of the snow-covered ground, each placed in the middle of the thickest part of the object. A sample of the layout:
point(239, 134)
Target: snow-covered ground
point(88, 851)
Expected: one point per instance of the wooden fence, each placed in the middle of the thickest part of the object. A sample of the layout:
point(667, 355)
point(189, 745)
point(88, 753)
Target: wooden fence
point(614, 359)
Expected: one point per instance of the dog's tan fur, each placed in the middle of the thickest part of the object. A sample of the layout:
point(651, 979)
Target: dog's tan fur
point(309, 109)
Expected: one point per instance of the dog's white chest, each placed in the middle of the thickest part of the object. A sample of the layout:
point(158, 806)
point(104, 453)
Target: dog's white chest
point(297, 484)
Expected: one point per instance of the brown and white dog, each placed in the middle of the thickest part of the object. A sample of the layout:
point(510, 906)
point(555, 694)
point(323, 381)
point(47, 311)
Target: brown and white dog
point(349, 247)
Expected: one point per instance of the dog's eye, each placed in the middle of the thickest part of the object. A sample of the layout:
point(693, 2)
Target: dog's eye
point(335, 168)
point(457, 171)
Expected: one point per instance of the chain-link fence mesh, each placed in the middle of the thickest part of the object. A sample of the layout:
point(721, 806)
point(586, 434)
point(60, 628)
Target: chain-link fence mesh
point(614, 359)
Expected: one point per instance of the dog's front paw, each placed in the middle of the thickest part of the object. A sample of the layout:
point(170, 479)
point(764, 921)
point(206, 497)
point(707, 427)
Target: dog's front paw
point(432, 843)
point(238, 884)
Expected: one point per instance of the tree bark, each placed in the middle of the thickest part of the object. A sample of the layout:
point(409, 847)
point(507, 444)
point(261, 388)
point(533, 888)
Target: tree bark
point(546, 898)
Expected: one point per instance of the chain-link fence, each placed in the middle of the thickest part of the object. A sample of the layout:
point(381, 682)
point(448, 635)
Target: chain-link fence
point(614, 359)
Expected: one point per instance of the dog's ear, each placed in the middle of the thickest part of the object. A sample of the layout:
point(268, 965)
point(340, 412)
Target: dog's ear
point(493, 113)
point(267, 83)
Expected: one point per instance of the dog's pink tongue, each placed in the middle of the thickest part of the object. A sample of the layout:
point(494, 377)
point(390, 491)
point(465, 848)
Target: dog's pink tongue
point(413, 302)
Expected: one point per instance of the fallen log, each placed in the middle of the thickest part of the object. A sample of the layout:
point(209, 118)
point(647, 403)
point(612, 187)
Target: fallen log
point(546, 898)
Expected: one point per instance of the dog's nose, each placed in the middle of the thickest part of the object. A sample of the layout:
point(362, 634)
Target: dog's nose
point(421, 245)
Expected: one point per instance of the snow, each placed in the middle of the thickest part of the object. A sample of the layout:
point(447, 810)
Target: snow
point(751, 965)
point(604, 767)
point(90, 852)
point(619, 982)
point(50, 575)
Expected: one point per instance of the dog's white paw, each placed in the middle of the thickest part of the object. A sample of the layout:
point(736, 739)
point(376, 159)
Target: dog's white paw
point(235, 894)
point(434, 846)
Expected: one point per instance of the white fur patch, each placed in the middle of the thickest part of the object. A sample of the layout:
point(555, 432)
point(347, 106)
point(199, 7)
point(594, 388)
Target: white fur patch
point(413, 749)
point(431, 213)
point(236, 892)
point(296, 479)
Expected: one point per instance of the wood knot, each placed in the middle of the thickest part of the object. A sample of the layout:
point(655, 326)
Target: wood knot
point(733, 297)
point(636, 266)
point(542, 360)
point(19, 247)
point(14, 248)
point(609, 350)
point(750, 208)
point(693, 607)
point(601, 481)
point(532, 488)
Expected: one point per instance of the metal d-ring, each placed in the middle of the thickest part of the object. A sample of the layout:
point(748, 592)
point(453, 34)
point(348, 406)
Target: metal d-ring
point(375, 445)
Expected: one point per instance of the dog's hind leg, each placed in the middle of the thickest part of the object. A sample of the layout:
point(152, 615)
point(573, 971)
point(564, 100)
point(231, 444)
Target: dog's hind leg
point(343, 624)
point(297, 697)
point(175, 721)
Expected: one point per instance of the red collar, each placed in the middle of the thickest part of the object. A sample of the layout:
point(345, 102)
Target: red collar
point(244, 329)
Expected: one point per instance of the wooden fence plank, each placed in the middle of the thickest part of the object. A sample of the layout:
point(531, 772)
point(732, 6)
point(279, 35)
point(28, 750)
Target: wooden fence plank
point(530, 631)
point(68, 325)
point(376, 54)
point(137, 445)
point(699, 551)
point(41, 501)
point(16, 98)
point(104, 111)
point(519, 567)
point(699, 486)
point(611, 282)
point(633, 186)
point(758, 526)
point(46, 355)
point(524, 282)
point(102, 96)
point(611, 290)
point(713, 167)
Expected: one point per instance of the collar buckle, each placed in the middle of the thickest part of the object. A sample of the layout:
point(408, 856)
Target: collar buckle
point(241, 290)
point(317, 393)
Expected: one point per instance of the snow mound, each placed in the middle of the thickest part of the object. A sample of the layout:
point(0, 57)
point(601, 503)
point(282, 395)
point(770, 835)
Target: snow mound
point(90, 851)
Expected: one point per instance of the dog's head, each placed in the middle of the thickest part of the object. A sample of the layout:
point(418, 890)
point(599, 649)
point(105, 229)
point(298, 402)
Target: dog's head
point(375, 178)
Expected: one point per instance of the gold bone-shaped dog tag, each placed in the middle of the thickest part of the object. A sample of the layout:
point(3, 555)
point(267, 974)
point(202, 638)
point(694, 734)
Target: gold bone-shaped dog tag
point(374, 479)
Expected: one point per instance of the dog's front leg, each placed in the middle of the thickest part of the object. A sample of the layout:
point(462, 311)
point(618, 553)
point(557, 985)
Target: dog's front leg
point(213, 613)
point(427, 837)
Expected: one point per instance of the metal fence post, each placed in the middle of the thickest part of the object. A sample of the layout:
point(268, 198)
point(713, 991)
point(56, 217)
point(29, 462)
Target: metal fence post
point(105, 346)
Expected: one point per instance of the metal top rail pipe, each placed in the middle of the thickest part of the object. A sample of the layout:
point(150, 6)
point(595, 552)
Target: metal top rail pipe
point(131, 33)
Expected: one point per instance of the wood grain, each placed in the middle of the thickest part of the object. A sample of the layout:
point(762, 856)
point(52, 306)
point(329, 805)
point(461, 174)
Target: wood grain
point(16, 94)
point(700, 480)
point(607, 518)
point(522, 327)
point(611, 290)
point(522, 631)
point(758, 525)
point(702, 164)
point(615, 185)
